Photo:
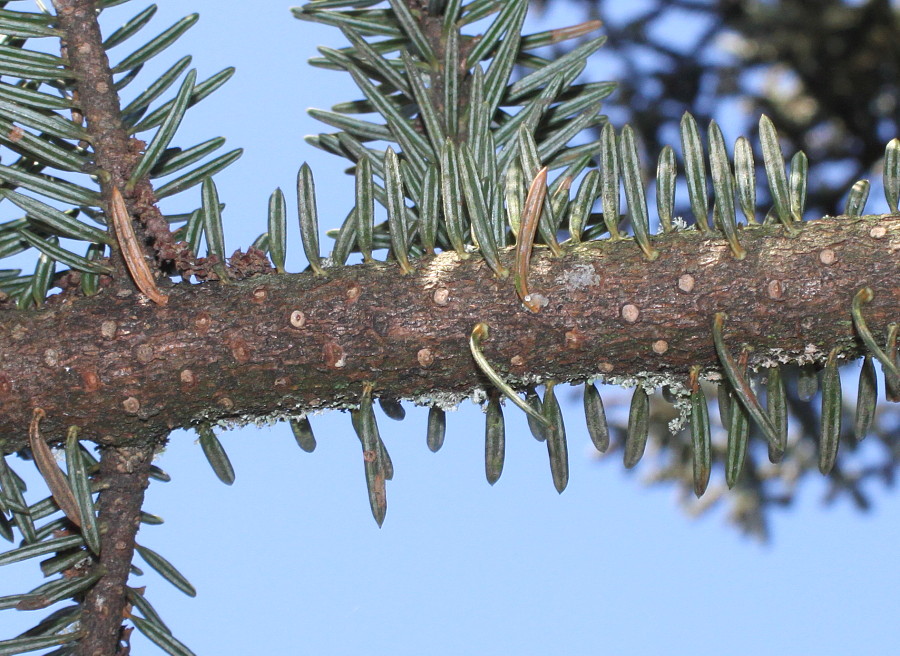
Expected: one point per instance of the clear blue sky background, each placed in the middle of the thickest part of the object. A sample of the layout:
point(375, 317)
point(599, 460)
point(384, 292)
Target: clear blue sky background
point(289, 560)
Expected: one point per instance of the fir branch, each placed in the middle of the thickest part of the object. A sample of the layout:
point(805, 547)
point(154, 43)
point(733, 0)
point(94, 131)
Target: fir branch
point(124, 475)
point(115, 153)
point(246, 351)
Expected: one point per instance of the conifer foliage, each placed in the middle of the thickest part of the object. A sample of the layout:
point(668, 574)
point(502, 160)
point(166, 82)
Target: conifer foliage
point(470, 143)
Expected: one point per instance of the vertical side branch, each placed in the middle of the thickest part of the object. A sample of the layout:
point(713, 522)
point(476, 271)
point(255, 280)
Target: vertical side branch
point(124, 474)
point(115, 152)
point(123, 471)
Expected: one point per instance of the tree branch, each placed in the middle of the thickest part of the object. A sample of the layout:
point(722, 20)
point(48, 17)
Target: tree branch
point(115, 152)
point(126, 371)
point(123, 473)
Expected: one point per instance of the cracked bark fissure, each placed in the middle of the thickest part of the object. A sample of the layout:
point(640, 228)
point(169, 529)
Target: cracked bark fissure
point(126, 371)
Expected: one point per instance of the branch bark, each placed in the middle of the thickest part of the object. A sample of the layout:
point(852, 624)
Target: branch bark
point(128, 372)
point(124, 474)
point(115, 152)
point(123, 470)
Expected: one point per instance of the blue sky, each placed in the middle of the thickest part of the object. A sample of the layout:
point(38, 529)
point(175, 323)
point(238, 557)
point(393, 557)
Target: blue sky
point(288, 560)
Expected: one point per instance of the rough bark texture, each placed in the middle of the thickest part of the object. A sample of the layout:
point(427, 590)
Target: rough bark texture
point(123, 472)
point(125, 370)
point(115, 152)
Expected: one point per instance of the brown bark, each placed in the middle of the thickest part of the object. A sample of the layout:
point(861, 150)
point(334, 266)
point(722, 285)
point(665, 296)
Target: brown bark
point(125, 370)
point(115, 152)
point(123, 469)
point(123, 473)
